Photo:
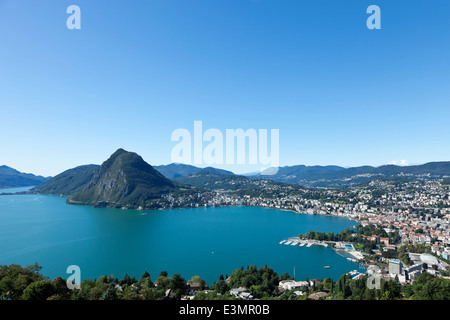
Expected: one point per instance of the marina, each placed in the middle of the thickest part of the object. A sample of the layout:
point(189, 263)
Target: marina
point(345, 250)
point(301, 243)
point(308, 243)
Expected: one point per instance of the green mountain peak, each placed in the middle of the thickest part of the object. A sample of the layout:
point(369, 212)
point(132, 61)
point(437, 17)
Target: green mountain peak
point(125, 179)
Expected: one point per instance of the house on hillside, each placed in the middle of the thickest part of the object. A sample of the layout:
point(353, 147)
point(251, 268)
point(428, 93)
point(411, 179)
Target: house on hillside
point(317, 296)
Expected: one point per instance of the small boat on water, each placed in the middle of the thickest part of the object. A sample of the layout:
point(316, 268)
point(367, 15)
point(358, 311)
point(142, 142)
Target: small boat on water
point(326, 267)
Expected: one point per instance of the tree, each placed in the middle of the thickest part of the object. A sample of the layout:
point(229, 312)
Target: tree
point(395, 288)
point(131, 293)
point(178, 285)
point(386, 295)
point(60, 290)
point(197, 279)
point(221, 286)
point(15, 278)
point(110, 293)
point(200, 296)
point(39, 290)
point(127, 280)
point(343, 288)
point(429, 287)
point(163, 282)
point(144, 276)
point(163, 274)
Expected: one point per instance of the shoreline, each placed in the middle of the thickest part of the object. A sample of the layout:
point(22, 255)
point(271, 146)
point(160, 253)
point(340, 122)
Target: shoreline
point(71, 202)
point(140, 209)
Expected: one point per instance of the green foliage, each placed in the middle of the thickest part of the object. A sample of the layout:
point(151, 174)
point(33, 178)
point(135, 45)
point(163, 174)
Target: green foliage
point(349, 235)
point(14, 279)
point(69, 182)
point(220, 286)
point(60, 290)
point(125, 179)
point(402, 255)
point(197, 279)
point(343, 287)
point(110, 292)
point(209, 180)
point(26, 283)
point(38, 290)
point(263, 281)
point(429, 287)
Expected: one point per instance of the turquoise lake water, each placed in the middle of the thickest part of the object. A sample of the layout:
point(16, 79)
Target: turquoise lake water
point(204, 241)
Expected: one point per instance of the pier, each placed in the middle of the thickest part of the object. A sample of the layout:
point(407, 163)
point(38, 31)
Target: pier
point(346, 250)
point(308, 243)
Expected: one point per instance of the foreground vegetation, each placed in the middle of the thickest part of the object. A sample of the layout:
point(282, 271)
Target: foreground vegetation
point(26, 283)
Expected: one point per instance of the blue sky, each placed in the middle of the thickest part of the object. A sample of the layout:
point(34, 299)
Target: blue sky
point(137, 70)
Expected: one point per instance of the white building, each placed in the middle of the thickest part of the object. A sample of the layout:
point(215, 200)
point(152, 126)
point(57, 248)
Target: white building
point(395, 267)
point(292, 284)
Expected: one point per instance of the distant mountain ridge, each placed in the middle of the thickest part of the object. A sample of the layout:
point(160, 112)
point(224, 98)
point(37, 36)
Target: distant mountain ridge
point(125, 178)
point(212, 180)
point(335, 176)
point(175, 170)
point(11, 178)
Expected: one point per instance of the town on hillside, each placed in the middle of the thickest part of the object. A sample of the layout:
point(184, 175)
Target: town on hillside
point(403, 224)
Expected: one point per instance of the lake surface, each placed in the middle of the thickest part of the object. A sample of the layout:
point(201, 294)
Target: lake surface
point(204, 241)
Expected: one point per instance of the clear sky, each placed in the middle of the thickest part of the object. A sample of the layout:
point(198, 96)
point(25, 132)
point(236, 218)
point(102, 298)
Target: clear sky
point(137, 70)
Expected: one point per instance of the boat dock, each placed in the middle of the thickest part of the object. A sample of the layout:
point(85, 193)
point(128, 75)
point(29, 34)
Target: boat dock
point(345, 250)
point(301, 243)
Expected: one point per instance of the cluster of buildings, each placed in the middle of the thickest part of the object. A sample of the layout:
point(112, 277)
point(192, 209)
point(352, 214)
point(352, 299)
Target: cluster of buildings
point(423, 262)
point(419, 210)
